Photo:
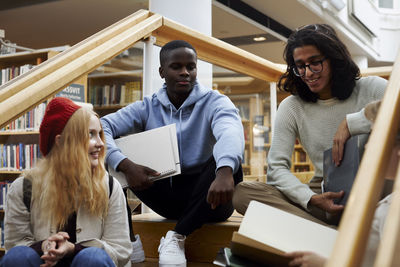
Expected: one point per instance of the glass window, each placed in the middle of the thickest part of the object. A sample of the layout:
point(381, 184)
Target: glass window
point(386, 4)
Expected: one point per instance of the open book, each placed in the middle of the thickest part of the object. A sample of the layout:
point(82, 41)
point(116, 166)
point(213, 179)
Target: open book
point(156, 148)
point(267, 233)
point(338, 178)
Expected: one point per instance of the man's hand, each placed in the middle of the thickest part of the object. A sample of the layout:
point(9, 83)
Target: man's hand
point(221, 189)
point(137, 175)
point(325, 201)
point(55, 248)
point(341, 136)
point(306, 259)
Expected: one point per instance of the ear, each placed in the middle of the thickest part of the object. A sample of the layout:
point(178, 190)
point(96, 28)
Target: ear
point(161, 70)
point(57, 139)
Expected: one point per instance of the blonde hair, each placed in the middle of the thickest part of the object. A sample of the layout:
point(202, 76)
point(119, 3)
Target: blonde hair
point(64, 180)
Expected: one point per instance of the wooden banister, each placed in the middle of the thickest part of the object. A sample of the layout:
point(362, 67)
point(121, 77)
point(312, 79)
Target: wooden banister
point(218, 52)
point(388, 252)
point(17, 84)
point(356, 221)
point(61, 76)
point(383, 72)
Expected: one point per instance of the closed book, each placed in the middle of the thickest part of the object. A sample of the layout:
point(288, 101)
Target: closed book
point(156, 148)
point(341, 178)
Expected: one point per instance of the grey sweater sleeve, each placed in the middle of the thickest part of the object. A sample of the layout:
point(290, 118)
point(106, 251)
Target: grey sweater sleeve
point(374, 89)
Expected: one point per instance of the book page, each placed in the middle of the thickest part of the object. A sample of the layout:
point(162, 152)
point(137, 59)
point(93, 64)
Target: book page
point(286, 232)
point(156, 148)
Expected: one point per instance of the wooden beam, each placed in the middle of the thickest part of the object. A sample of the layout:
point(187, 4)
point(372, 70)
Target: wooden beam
point(17, 84)
point(217, 52)
point(383, 72)
point(356, 221)
point(58, 78)
point(388, 253)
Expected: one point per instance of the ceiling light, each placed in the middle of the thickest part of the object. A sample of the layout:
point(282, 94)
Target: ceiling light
point(259, 38)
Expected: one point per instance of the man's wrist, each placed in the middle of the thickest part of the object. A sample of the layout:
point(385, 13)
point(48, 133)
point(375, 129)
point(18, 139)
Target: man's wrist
point(224, 171)
point(122, 166)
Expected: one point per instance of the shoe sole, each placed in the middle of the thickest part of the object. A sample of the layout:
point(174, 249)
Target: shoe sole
point(172, 264)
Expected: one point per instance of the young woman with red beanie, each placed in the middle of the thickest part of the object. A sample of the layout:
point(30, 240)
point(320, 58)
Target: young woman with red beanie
point(72, 219)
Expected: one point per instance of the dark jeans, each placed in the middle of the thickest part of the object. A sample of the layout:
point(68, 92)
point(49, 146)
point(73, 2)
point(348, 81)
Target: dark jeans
point(184, 198)
point(26, 256)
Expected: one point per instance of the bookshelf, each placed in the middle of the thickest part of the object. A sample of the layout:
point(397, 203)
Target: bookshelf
point(118, 82)
point(300, 160)
point(256, 132)
point(254, 111)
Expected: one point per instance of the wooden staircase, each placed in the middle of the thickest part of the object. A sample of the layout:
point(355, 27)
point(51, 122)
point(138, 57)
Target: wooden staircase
point(200, 247)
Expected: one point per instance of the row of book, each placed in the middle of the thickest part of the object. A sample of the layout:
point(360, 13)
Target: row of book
point(116, 94)
point(302, 168)
point(4, 186)
point(30, 121)
point(18, 157)
point(10, 73)
point(300, 156)
point(2, 234)
point(243, 111)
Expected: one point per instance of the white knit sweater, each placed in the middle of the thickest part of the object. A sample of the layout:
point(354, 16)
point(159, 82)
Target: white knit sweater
point(315, 125)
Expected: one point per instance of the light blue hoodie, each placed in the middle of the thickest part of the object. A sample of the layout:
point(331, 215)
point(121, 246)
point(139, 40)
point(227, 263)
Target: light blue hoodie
point(207, 124)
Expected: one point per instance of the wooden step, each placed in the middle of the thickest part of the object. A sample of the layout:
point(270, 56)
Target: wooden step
point(201, 246)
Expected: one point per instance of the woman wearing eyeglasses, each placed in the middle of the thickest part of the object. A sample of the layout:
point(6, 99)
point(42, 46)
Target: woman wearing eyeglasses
point(325, 108)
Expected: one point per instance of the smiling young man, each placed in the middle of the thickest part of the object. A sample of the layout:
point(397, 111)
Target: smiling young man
point(325, 108)
point(210, 141)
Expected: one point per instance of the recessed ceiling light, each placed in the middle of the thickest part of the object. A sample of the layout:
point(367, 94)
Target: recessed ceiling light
point(259, 38)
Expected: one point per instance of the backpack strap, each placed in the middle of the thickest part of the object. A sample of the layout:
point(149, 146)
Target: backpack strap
point(110, 185)
point(27, 193)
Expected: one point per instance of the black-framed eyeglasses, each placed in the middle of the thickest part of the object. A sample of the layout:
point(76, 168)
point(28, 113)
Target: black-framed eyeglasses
point(315, 67)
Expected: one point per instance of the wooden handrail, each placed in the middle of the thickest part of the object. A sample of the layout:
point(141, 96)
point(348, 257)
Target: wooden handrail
point(388, 252)
point(383, 72)
point(218, 52)
point(17, 84)
point(60, 77)
point(356, 221)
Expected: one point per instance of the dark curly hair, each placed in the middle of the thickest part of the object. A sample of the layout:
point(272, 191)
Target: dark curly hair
point(344, 71)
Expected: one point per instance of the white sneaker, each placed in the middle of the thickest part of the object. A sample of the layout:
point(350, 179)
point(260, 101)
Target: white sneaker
point(137, 254)
point(172, 250)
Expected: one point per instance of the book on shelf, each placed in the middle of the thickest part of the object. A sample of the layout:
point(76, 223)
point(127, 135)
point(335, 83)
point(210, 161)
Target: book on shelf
point(156, 148)
point(7, 74)
point(266, 234)
point(4, 187)
point(18, 157)
point(338, 178)
point(30, 121)
point(115, 94)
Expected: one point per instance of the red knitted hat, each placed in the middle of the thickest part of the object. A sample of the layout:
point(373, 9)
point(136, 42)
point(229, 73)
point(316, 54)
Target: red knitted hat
point(57, 114)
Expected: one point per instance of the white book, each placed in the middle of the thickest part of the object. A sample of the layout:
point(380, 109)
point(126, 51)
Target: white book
point(156, 148)
point(267, 233)
point(122, 98)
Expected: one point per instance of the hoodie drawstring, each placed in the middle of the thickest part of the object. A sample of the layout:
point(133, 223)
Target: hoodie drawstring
point(180, 136)
point(170, 121)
